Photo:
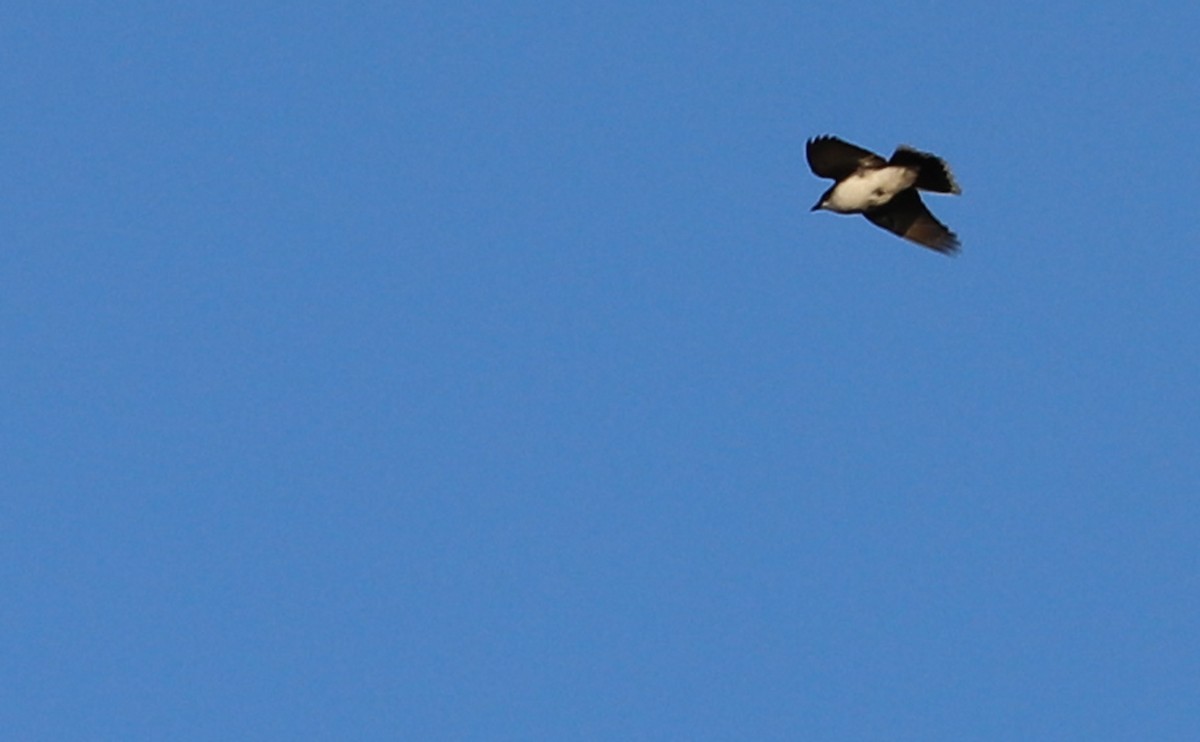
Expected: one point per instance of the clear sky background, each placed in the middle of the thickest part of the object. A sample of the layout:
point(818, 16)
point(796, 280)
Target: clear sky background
point(441, 370)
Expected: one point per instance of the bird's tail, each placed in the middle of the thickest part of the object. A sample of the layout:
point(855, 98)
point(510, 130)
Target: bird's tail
point(933, 174)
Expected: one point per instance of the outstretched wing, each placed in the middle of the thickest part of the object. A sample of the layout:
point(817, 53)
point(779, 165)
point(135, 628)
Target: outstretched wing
point(830, 157)
point(907, 216)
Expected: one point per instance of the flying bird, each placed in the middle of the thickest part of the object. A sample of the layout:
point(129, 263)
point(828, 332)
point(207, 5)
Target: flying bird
point(885, 191)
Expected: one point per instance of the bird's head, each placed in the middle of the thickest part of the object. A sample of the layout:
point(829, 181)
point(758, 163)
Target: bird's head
point(822, 201)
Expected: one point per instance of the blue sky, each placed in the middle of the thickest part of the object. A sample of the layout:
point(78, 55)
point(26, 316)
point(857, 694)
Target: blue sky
point(477, 371)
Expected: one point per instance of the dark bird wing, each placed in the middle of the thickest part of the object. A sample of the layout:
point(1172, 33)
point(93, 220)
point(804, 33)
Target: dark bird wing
point(830, 157)
point(907, 216)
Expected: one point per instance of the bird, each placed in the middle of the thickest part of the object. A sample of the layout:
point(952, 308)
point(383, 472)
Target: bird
point(885, 191)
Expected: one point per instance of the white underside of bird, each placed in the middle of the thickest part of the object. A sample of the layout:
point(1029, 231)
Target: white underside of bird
point(868, 189)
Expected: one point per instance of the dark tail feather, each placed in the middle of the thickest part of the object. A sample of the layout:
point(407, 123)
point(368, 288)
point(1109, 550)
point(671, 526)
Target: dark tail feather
point(932, 172)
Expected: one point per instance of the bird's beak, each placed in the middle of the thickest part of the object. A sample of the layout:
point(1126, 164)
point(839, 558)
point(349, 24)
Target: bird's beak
point(816, 206)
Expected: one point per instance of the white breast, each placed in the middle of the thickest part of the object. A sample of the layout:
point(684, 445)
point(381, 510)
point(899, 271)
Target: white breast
point(867, 189)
